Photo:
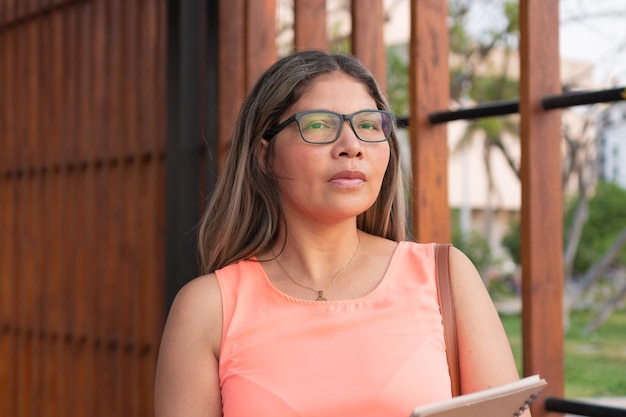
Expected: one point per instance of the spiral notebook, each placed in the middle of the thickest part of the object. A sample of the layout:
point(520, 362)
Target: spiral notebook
point(509, 400)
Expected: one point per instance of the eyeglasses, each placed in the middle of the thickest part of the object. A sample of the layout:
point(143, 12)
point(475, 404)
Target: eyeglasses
point(324, 126)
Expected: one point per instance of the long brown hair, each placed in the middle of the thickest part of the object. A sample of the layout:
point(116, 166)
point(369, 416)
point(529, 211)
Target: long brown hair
point(244, 214)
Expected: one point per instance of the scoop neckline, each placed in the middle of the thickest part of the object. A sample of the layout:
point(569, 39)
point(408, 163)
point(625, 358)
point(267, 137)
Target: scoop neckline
point(346, 301)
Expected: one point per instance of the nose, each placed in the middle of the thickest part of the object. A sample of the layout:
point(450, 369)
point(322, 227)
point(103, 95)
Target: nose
point(348, 144)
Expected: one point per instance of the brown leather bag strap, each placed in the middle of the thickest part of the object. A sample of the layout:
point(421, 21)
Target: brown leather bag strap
point(446, 304)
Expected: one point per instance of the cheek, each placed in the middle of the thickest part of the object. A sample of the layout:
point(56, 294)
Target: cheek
point(295, 164)
point(382, 158)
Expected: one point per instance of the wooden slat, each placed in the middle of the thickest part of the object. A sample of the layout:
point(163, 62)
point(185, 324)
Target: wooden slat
point(151, 201)
point(53, 145)
point(129, 75)
point(113, 81)
point(367, 37)
point(132, 189)
point(8, 308)
point(20, 9)
point(87, 332)
point(232, 75)
point(310, 31)
point(43, 99)
point(101, 229)
point(5, 100)
point(145, 226)
point(32, 152)
point(25, 297)
point(260, 38)
point(541, 245)
point(38, 254)
point(23, 345)
point(44, 103)
point(9, 10)
point(70, 392)
point(84, 81)
point(108, 314)
point(153, 275)
point(134, 290)
point(70, 55)
point(99, 91)
point(151, 77)
point(20, 103)
point(429, 86)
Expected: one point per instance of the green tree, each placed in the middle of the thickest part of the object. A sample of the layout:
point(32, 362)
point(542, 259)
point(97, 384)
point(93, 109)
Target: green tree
point(601, 247)
point(605, 221)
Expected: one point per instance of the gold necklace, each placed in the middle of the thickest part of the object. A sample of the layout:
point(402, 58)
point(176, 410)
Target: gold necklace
point(320, 293)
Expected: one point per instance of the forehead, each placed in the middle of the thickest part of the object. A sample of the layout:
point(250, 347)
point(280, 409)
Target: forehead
point(335, 91)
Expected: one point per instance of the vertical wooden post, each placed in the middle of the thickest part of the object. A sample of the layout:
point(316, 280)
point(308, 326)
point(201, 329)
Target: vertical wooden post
point(260, 39)
point(429, 91)
point(542, 216)
point(368, 43)
point(246, 47)
point(310, 24)
point(231, 71)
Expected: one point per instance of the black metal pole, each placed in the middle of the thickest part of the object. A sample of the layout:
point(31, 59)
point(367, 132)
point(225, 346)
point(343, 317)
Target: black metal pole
point(498, 108)
point(560, 405)
point(578, 98)
point(502, 108)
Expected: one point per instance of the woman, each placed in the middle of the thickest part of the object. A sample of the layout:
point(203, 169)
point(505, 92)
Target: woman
point(312, 303)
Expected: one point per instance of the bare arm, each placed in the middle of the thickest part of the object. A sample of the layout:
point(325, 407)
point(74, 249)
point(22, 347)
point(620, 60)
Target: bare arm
point(187, 382)
point(485, 354)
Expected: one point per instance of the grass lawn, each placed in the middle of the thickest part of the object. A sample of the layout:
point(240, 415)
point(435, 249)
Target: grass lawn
point(595, 364)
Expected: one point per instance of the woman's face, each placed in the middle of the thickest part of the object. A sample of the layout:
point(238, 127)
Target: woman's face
point(335, 181)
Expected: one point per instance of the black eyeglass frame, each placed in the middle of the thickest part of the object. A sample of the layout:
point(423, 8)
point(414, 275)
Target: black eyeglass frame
point(271, 133)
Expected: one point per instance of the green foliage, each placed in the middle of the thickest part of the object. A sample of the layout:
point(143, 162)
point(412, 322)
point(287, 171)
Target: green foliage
point(595, 364)
point(473, 244)
point(487, 89)
point(398, 79)
point(460, 40)
point(511, 240)
point(606, 220)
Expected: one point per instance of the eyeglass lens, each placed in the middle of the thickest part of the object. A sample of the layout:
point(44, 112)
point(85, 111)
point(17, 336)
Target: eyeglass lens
point(369, 126)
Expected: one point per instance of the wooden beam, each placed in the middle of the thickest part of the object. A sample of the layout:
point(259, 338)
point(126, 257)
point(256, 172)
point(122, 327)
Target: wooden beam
point(309, 23)
point(368, 20)
point(429, 92)
point(231, 71)
point(542, 214)
point(260, 39)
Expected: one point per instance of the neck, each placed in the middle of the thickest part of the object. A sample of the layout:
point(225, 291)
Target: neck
point(314, 259)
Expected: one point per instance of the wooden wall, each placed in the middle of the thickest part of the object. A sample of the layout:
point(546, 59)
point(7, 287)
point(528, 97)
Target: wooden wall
point(82, 138)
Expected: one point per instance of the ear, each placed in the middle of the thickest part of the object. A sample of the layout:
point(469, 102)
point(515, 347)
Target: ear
point(263, 150)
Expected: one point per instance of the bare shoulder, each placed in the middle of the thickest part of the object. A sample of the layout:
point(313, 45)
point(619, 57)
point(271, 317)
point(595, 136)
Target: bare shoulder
point(471, 298)
point(187, 381)
point(197, 309)
point(465, 278)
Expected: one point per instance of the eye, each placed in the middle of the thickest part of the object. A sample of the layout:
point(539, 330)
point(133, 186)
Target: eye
point(316, 125)
point(317, 121)
point(368, 125)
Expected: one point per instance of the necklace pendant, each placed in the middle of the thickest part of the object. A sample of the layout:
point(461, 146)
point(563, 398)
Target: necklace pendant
point(320, 296)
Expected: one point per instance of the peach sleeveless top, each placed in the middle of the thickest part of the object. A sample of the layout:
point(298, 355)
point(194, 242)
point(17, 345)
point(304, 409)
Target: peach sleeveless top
point(377, 356)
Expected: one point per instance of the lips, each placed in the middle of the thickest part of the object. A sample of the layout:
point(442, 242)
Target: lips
point(348, 178)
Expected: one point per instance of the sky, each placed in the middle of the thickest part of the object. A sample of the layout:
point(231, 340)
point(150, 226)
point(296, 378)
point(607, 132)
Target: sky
point(595, 31)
